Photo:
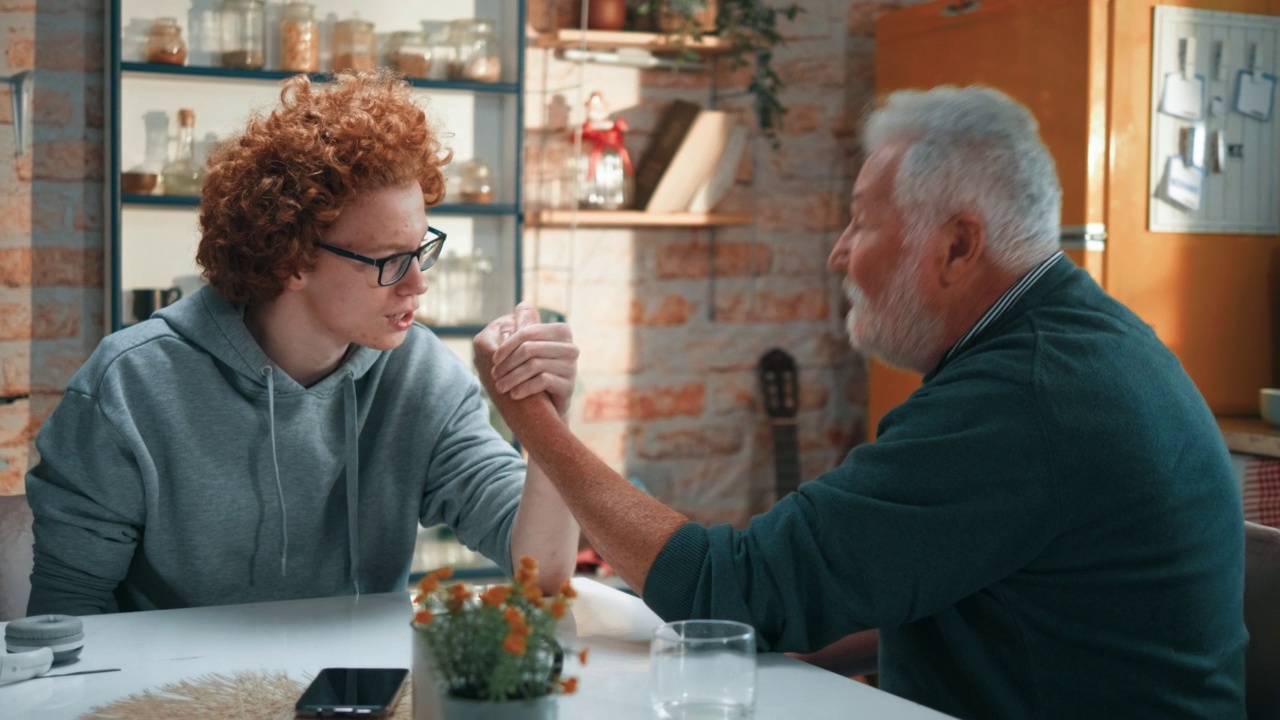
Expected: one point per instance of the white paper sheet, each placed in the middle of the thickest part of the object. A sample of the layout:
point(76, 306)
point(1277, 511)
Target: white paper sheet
point(1255, 94)
point(601, 611)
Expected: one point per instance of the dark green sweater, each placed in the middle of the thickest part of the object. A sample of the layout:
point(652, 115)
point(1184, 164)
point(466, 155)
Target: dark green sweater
point(1048, 527)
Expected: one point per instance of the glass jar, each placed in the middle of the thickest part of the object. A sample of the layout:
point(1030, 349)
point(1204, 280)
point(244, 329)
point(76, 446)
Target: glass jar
point(475, 51)
point(605, 175)
point(244, 30)
point(476, 182)
point(409, 52)
point(164, 43)
point(299, 38)
point(354, 45)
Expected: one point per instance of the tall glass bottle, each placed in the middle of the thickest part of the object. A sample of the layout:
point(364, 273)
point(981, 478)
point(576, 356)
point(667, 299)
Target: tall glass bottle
point(183, 175)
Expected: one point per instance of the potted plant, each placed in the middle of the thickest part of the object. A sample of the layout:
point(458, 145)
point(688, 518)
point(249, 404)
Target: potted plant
point(751, 29)
point(494, 653)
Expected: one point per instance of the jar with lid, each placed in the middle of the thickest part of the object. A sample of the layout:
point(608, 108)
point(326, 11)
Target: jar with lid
point(475, 51)
point(354, 45)
point(409, 52)
point(605, 175)
point(476, 182)
point(164, 43)
point(244, 29)
point(299, 38)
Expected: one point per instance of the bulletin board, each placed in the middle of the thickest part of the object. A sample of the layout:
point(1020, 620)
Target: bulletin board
point(1215, 130)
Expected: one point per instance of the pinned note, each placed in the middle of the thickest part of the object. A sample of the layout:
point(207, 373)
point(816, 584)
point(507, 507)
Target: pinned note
point(1255, 94)
point(1183, 185)
point(1183, 96)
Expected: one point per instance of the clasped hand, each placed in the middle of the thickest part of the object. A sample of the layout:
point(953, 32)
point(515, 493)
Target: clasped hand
point(518, 356)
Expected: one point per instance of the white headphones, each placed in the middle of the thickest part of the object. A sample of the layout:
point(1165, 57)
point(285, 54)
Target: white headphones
point(37, 643)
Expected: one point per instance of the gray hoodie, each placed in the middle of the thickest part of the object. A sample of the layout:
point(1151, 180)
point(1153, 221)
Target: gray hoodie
point(183, 468)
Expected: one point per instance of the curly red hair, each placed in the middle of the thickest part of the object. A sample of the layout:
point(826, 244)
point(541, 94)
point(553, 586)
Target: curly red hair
point(272, 192)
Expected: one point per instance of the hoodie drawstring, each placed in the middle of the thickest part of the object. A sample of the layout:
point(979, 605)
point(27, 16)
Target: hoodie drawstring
point(275, 463)
point(353, 479)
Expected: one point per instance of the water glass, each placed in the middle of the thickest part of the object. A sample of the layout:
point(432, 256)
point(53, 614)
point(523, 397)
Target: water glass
point(703, 669)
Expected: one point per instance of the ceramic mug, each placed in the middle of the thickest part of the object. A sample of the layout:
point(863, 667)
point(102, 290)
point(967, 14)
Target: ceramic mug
point(148, 300)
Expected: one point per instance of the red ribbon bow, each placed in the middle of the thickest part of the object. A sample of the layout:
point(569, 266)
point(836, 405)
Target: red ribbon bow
point(601, 139)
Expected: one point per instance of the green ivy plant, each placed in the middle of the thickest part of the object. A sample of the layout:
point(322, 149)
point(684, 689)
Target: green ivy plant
point(751, 29)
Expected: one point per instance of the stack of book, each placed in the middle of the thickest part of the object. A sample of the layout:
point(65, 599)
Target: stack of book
point(691, 160)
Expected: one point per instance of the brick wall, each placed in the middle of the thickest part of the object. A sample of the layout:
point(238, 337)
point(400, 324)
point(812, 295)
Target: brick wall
point(673, 322)
point(51, 225)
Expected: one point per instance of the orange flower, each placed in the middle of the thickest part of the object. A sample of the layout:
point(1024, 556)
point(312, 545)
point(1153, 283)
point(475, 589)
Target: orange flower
point(495, 595)
point(423, 617)
point(514, 644)
point(566, 589)
point(526, 575)
point(570, 686)
point(533, 594)
point(513, 616)
point(557, 608)
point(428, 583)
point(459, 592)
point(444, 573)
point(528, 562)
point(582, 656)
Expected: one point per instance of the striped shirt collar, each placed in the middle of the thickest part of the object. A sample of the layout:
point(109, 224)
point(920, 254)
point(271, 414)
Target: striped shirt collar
point(1006, 301)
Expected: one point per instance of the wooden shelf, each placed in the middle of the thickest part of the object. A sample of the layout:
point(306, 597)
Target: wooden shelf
point(142, 68)
point(631, 218)
point(616, 39)
point(1250, 435)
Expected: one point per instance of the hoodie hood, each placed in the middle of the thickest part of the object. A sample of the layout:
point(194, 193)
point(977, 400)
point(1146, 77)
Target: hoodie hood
point(208, 321)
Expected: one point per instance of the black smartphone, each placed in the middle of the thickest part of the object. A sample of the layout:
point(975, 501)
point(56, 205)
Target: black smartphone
point(353, 692)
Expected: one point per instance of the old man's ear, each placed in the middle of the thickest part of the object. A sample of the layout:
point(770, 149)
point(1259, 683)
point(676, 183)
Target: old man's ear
point(965, 239)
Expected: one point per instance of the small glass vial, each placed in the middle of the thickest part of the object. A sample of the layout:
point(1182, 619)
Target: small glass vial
point(354, 45)
point(299, 38)
point(475, 51)
point(164, 43)
point(409, 52)
point(476, 182)
point(183, 175)
point(244, 29)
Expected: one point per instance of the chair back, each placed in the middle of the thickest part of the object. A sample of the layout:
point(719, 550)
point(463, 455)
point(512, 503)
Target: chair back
point(15, 556)
point(1262, 619)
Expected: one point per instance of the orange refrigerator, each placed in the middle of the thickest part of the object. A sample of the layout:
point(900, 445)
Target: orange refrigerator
point(1084, 68)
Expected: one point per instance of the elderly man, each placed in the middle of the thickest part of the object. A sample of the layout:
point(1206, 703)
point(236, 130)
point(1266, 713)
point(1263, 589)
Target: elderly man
point(1048, 527)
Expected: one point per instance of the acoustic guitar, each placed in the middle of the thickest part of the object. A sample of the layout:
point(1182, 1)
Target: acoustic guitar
point(780, 385)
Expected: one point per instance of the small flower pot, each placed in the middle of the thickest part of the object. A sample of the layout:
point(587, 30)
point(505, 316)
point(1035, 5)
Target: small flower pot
point(426, 687)
point(543, 708)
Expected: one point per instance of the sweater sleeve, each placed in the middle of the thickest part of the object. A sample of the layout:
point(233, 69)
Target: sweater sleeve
point(475, 478)
point(88, 511)
point(955, 494)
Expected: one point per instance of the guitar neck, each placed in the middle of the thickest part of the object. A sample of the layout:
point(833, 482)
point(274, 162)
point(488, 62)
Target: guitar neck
point(786, 456)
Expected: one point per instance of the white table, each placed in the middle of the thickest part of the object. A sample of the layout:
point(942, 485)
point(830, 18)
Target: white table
point(302, 636)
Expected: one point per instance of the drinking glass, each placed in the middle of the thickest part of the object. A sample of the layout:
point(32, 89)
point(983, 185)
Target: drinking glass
point(703, 669)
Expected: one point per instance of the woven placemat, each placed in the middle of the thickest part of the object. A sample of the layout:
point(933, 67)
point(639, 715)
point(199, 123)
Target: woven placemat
point(247, 695)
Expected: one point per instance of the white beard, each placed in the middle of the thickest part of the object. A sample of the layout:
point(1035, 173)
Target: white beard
point(902, 332)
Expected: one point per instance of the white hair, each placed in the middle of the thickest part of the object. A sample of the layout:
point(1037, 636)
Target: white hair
point(976, 150)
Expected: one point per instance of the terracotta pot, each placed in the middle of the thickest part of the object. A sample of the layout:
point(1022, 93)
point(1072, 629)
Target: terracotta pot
point(605, 14)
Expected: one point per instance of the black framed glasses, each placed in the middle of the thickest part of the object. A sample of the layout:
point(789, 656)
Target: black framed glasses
point(393, 267)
